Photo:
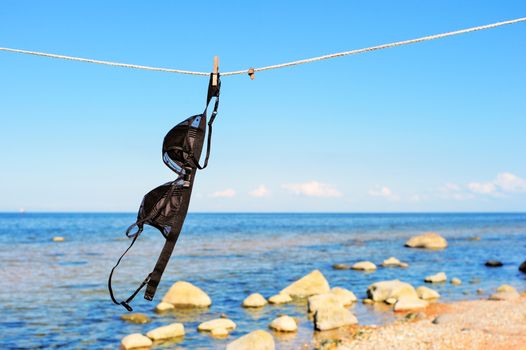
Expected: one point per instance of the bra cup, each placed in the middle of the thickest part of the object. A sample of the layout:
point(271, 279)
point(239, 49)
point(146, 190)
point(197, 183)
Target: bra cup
point(183, 144)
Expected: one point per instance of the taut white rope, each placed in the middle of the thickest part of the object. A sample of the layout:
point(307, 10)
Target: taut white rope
point(276, 66)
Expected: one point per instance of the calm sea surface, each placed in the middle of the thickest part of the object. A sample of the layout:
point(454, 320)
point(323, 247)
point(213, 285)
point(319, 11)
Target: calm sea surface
point(54, 295)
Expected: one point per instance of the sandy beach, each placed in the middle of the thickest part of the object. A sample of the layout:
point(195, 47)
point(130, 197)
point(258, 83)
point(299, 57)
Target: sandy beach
point(476, 325)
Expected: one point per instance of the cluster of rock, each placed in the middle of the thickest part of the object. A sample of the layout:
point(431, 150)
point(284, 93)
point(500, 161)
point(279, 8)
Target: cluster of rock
point(505, 292)
point(403, 296)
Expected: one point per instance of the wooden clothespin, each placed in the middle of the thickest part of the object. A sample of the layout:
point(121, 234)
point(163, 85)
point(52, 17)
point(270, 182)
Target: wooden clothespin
point(215, 71)
point(251, 73)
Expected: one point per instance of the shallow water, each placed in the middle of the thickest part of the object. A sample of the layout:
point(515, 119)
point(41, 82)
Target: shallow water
point(54, 295)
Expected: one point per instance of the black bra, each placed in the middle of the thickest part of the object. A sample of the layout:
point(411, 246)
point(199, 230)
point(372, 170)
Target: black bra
point(166, 206)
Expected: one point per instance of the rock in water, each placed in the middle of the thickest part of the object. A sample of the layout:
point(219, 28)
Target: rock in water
point(341, 267)
point(381, 291)
point(364, 266)
point(428, 240)
point(427, 293)
point(456, 281)
point(219, 332)
point(225, 323)
point(254, 300)
point(347, 297)
point(135, 341)
point(511, 295)
point(437, 278)
point(325, 300)
point(410, 303)
point(284, 324)
point(493, 263)
point(162, 307)
point(58, 239)
point(313, 283)
point(187, 295)
point(333, 316)
point(522, 267)
point(280, 299)
point(135, 318)
point(173, 330)
point(392, 261)
point(506, 288)
point(257, 340)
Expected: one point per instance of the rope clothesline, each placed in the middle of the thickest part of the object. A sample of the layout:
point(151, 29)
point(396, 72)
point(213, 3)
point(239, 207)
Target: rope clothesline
point(276, 66)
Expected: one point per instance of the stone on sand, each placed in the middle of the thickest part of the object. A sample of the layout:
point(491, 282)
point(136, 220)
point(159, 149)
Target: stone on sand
point(381, 291)
point(163, 307)
point(135, 318)
point(393, 262)
point(209, 326)
point(185, 294)
point(284, 324)
point(364, 266)
point(281, 298)
point(135, 341)
point(456, 281)
point(410, 303)
point(173, 330)
point(254, 300)
point(257, 340)
point(345, 295)
point(436, 278)
point(427, 293)
point(332, 316)
point(313, 283)
point(428, 240)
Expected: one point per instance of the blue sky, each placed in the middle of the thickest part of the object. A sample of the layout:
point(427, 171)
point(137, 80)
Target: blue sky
point(436, 126)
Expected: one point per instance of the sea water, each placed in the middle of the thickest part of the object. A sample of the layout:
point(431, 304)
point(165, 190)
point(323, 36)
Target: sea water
point(54, 294)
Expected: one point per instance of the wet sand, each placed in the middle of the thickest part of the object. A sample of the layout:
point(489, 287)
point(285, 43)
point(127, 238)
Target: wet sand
point(474, 325)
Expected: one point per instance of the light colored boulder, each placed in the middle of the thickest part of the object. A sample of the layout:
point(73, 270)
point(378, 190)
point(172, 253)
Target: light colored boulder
point(333, 316)
point(428, 240)
point(219, 332)
point(393, 262)
point(427, 293)
point(163, 307)
point(318, 301)
point(456, 281)
point(510, 295)
point(135, 341)
point(390, 301)
point(313, 283)
point(185, 294)
point(381, 291)
point(436, 278)
point(173, 330)
point(345, 295)
point(364, 266)
point(257, 340)
point(506, 288)
point(135, 318)
point(281, 298)
point(254, 300)
point(58, 239)
point(284, 324)
point(410, 303)
point(341, 266)
point(367, 301)
point(225, 323)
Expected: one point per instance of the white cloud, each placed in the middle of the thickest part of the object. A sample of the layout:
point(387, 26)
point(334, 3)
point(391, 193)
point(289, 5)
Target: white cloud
point(312, 189)
point(227, 193)
point(454, 192)
point(260, 191)
point(383, 191)
point(502, 184)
